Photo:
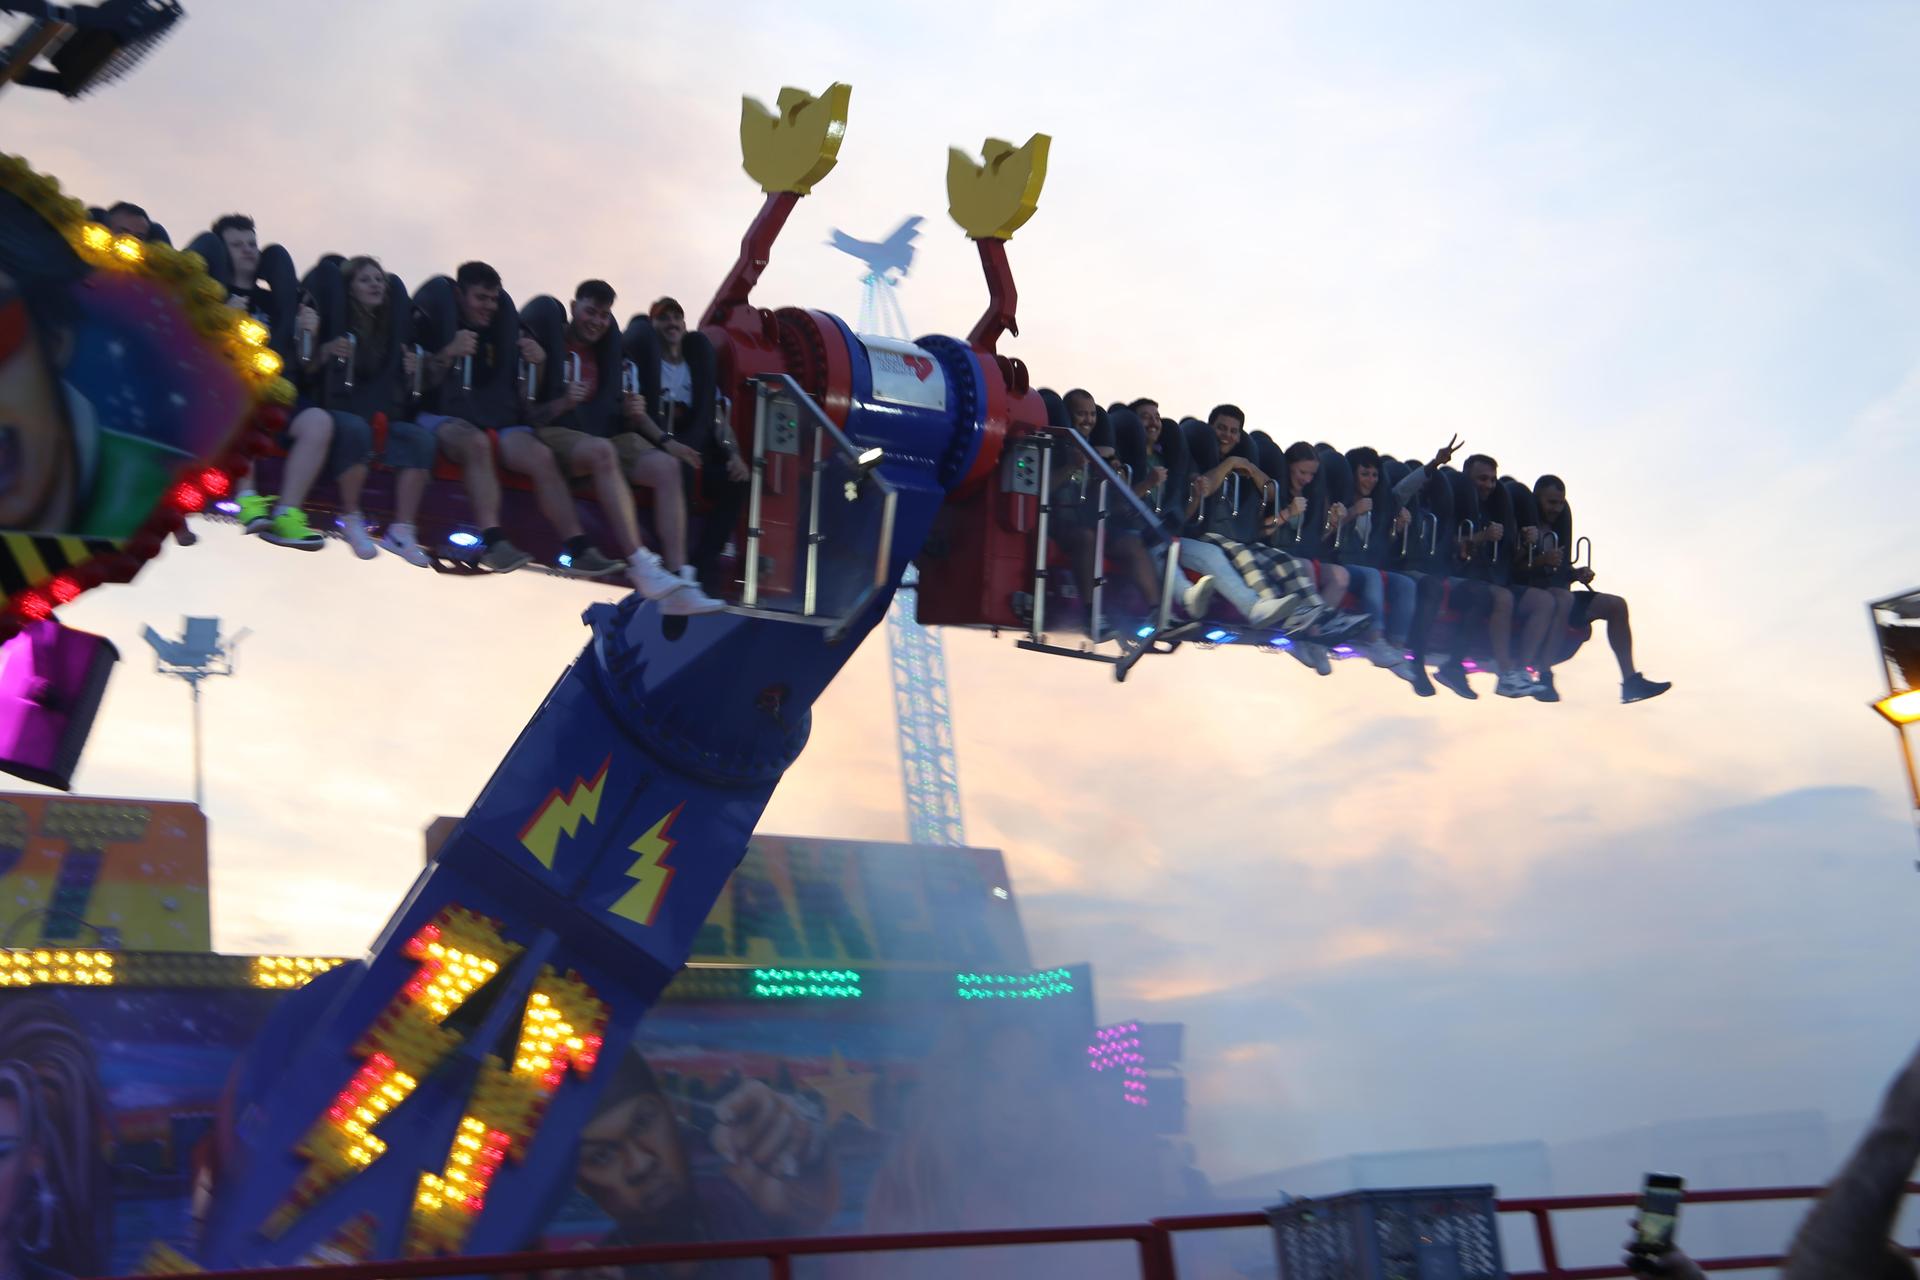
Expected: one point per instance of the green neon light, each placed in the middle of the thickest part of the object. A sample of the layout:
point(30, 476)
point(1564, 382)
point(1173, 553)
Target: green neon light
point(1012, 986)
point(806, 984)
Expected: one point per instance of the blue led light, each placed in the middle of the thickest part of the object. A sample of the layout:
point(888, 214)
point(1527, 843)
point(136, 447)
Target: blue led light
point(565, 561)
point(1143, 632)
point(227, 506)
point(1218, 636)
point(464, 539)
point(1344, 650)
point(1281, 642)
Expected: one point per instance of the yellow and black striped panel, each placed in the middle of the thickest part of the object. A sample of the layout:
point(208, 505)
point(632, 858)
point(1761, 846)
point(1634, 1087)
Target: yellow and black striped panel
point(35, 559)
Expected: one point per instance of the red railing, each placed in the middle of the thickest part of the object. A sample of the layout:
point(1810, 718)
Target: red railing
point(1543, 1208)
point(1152, 1241)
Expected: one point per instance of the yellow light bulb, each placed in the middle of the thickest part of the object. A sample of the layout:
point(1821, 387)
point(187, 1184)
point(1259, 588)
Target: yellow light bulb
point(266, 363)
point(251, 332)
point(128, 250)
point(95, 236)
point(1900, 708)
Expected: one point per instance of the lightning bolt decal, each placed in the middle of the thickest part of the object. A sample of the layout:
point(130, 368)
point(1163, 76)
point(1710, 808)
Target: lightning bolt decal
point(650, 873)
point(562, 817)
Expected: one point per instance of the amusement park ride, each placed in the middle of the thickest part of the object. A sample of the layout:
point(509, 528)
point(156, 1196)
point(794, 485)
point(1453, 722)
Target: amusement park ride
point(422, 1101)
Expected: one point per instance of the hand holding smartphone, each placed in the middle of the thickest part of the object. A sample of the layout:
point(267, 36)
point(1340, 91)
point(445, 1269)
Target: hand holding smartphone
point(1660, 1199)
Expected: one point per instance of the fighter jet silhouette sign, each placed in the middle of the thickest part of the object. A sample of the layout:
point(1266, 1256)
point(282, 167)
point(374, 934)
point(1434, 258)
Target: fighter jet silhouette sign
point(889, 258)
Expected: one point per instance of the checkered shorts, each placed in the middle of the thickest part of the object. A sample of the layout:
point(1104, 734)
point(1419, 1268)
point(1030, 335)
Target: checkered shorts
point(1271, 573)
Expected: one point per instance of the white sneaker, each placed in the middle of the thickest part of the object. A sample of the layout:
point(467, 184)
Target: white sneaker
point(1516, 684)
point(1266, 612)
point(689, 600)
point(1198, 598)
point(354, 528)
point(650, 577)
point(399, 539)
point(687, 575)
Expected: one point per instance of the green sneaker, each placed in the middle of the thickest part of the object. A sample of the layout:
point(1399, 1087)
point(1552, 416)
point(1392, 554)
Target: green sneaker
point(289, 528)
point(256, 512)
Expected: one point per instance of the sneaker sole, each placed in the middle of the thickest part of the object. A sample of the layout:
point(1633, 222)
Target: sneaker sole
point(422, 563)
point(297, 545)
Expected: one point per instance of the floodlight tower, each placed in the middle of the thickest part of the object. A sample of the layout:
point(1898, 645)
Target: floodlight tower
point(196, 655)
point(929, 769)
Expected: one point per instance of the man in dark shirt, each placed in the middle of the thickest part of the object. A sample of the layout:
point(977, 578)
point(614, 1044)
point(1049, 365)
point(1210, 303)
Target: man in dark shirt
point(594, 433)
point(1586, 607)
point(308, 439)
point(462, 417)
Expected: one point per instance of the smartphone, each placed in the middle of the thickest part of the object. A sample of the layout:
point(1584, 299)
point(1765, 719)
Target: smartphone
point(1660, 1197)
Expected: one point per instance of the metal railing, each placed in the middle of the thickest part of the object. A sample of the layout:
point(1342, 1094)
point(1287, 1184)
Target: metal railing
point(830, 448)
point(1152, 1242)
point(1112, 495)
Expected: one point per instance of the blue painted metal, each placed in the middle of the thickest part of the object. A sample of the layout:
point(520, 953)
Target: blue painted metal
point(679, 730)
point(922, 709)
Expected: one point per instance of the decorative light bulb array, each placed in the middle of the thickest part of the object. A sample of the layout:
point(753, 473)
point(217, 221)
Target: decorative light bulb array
point(71, 968)
point(796, 984)
point(289, 971)
point(1117, 1048)
point(459, 952)
point(560, 1030)
point(1013, 986)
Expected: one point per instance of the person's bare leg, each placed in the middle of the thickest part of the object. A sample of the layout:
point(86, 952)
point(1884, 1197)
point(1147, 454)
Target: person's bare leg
point(1083, 566)
point(658, 471)
point(1536, 615)
point(1145, 576)
point(1613, 611)
point(595, 458)
point(1333, 583)
point(467, 445)
point(312, 432)
point(351, 483)
point(523, 454)
point(1556, 628)
point(408, 488)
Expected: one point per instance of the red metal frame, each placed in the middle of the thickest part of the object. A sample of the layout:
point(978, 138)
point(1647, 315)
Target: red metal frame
point(1152, 1240)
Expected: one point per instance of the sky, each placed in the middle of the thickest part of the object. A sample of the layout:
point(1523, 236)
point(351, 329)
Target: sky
point(1663, 251)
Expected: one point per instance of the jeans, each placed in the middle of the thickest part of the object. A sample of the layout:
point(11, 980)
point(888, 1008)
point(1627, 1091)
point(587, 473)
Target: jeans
point(1388, 598)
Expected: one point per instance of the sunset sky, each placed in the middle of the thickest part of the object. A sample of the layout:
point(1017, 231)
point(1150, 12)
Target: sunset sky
point(1668, 252)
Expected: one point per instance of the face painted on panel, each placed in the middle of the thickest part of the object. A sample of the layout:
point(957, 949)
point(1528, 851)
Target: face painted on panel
point(36, 443)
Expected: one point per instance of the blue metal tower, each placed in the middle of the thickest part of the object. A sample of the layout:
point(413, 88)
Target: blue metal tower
point(929, 769)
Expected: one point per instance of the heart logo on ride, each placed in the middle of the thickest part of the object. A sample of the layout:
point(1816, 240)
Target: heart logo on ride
point(922, 366)
point(130, 395)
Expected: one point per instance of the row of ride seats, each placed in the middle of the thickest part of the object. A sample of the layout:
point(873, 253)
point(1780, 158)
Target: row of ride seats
point(426, 321)
point(1447, 506)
